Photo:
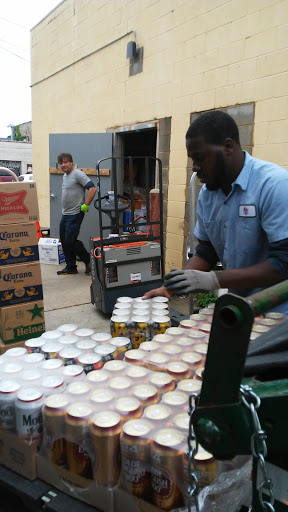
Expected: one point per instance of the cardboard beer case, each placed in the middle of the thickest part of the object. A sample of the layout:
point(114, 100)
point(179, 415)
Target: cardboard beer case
point(18, 203)
point(50, 251)
point(18, 243)
point(18, 455)
point(20, 322)
point(4, 347)
point(84, 489)
point(20, 283)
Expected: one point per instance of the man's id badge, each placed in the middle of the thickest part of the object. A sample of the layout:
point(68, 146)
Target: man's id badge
point(247, 210)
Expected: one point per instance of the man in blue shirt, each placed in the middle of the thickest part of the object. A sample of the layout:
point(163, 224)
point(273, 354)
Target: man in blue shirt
point(241, 215)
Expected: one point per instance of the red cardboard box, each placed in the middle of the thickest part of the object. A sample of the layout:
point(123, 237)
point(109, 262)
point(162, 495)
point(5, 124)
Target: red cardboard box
point(18, 202)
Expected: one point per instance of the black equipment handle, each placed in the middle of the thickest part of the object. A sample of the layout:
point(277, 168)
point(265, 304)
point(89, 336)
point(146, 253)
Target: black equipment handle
point(120, 208)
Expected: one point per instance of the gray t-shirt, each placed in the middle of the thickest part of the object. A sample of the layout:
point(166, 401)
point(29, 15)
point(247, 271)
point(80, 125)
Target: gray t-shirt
point(73, 191)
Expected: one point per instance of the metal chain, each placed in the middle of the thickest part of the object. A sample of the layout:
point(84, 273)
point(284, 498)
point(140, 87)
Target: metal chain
point(193, 489)
point(259, 448)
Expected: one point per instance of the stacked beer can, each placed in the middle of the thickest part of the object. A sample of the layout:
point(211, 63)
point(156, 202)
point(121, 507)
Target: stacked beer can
point(142, 414)
point(179, 354)
point(140, 320)
point(202, 321)
point(47, 365)
point(109, 412)
point(262, 325)
point(128, 410)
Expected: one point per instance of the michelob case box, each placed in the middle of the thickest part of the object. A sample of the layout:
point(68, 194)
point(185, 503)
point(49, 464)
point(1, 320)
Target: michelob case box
point(21, 322)
point(18, 202)
point(18, 455)
point(20, 283)
point(18, 243)
point(50, 251)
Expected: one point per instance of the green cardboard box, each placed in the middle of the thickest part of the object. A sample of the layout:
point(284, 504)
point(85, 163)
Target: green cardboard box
point(21, 322)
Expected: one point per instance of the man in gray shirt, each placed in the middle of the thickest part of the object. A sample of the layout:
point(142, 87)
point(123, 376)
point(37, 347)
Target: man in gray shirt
point(74, 207)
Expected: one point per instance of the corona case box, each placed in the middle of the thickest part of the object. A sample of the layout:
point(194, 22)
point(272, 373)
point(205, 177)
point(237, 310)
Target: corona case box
point(21, 322)
point(20, 283)
point(18, 243)
point(18, 202)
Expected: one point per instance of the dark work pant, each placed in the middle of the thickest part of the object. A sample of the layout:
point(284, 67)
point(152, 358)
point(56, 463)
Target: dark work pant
point(69, 231)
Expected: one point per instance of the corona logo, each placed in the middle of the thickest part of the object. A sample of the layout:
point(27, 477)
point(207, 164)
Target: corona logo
point(11, 277)
point(4, 235)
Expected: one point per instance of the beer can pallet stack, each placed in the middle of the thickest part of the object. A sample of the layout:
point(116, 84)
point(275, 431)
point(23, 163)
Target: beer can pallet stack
point(126, 429)
point(21, 294)
point(157, 400)
point(98, 398)
point(203, 320)
point(45, 365)
point(93, 413)
point(261, 324)
point(140, 320)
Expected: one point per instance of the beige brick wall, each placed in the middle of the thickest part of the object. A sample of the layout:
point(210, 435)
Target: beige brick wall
point(197, 56)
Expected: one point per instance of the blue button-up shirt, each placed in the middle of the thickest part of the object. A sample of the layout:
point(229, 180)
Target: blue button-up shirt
point(240, 226)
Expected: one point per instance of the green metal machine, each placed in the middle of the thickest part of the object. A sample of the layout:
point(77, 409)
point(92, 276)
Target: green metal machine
point(236, 416)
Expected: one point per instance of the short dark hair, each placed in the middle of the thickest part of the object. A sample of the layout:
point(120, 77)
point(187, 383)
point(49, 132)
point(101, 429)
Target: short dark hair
point(214, 126)
point(66, 156)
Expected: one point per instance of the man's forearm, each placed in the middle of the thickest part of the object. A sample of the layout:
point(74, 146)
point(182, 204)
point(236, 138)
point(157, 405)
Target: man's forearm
point(90, 195)
point(192, 280)
point(260, 275)
point(196, 263)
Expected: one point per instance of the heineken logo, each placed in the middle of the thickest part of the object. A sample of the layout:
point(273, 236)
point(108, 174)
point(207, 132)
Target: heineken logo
point(28, 330)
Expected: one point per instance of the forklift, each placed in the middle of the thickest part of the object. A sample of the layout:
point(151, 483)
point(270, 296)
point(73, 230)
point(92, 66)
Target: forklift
point(127, 257)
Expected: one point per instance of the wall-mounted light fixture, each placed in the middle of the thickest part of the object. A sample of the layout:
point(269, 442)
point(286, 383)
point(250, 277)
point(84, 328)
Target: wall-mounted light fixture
point(132, 49)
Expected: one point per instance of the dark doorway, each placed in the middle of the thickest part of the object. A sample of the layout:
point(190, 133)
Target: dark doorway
point(136, 144)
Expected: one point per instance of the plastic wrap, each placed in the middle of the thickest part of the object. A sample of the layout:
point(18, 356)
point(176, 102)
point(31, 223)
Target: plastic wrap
point(116, 437)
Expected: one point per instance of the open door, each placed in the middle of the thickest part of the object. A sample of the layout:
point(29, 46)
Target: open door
point(86, 149)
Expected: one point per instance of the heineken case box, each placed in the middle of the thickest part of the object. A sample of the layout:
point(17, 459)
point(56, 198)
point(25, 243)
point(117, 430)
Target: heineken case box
point(20, 283)
point(18, 243)
point(21, 322)
point(4, 347)
point(18, 202)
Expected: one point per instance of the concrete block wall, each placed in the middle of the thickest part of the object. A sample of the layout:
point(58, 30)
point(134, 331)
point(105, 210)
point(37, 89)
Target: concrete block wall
point(197, 56)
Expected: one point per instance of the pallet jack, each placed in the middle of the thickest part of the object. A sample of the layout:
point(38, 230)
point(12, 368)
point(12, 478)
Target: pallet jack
point(237, 414)
point(126, 263)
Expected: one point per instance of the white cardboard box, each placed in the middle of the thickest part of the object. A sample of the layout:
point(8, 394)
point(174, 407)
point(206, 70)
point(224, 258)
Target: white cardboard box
point(50, 251)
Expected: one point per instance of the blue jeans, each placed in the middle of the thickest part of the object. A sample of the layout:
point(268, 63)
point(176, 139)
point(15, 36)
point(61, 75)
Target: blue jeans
point(69, 231)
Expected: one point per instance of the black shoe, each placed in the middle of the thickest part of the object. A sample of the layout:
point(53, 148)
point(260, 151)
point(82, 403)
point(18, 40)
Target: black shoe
point(88, 269)
point(66, 270)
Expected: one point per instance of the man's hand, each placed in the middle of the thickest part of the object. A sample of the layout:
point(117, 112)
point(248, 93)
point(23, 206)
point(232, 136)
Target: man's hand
point(187, 281)
point(158, 292)
point(84, 208)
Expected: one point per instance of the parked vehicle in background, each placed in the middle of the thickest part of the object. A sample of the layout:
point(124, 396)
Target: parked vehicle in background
point(7, 175)
point(25, 177)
